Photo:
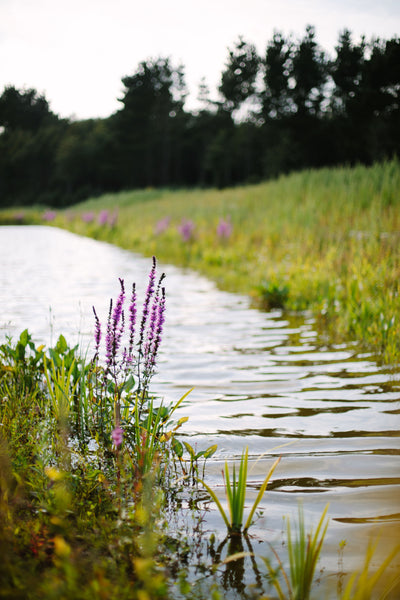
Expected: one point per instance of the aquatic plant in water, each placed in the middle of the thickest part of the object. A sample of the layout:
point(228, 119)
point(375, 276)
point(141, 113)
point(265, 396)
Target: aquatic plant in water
point(303, 554)
point(235, 490)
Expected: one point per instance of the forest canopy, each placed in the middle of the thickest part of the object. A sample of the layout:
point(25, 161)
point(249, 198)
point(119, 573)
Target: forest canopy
point(292, 108)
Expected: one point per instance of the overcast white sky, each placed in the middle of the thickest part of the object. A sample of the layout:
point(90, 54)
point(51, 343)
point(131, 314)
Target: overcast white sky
point(77, 51)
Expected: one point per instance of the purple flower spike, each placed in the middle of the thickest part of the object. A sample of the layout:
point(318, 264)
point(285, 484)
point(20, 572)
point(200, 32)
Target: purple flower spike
point(97, 334)
point(87, 217)
point(149, 293)
point(186, 229)
point(49, 215)
point(224, 229)
point(117, 436)
point(112, 221)
point(162, 225)
point(132, 320)
point(103, 217)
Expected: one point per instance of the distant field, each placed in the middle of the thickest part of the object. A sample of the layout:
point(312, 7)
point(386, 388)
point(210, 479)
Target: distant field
point(326, 241)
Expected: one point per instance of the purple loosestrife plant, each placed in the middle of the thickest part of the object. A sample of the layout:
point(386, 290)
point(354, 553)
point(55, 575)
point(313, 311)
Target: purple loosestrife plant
point(162, 225)
point(117, 436)
point(97, 333)
point(49, 215)
point(88, 217)
point(128, 368)
point(224, 229)
point(103, 217)
point(186, 229)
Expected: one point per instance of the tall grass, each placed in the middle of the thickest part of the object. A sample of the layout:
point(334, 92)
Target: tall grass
point(324, 240)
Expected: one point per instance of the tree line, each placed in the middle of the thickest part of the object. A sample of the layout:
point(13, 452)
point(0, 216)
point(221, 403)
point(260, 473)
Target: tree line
point(293, 108)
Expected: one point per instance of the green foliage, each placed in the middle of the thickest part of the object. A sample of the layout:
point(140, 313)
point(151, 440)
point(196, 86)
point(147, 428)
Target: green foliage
point(292, 109)
point(324, 241)
point(235, 490)
point(362, 584)
point(303, 553)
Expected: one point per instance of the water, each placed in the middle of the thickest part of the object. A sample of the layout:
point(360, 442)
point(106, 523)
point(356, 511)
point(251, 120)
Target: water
point(261, 380)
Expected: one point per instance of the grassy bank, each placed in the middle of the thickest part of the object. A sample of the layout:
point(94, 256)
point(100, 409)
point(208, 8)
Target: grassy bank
point(325, 241)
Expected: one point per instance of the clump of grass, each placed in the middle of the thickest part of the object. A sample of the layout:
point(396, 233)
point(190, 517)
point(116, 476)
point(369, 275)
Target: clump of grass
point(235, 490)
point(362, 584)
point(303, 554)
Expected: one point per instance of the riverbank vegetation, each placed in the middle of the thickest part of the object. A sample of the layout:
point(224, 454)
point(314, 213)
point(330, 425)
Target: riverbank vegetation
point(324, 240)
point(98, 498)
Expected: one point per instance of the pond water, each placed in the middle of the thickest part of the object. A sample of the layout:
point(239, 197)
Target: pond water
point(260, 379)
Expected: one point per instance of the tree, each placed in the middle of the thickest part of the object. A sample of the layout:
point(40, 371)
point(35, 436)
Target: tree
point(346, 71)
point(276, 97)
point(24, 109)
point(148, 126)
point(239, 78)
point(309, 72)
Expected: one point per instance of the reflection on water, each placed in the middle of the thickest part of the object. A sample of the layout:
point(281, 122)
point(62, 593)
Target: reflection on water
point(260, 379)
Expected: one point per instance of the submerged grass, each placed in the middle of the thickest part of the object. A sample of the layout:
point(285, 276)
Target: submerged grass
point(321, 240)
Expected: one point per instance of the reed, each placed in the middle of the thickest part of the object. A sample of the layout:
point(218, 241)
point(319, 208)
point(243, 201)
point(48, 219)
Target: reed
point(303, 554)
point(235, 490)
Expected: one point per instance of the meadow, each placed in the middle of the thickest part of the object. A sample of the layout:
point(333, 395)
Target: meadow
point(325, 241)
point(92, 467)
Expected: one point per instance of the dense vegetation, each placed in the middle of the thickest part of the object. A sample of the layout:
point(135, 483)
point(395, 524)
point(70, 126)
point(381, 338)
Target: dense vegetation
point(99, 500)
point(293, 108)
point(321, 240)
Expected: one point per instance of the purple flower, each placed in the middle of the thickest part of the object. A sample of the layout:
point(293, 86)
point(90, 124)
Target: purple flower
point(162, 225)
point(112, 221)
point(152, 328)
point(49, 215)
point(88, 217)
point(159, 327)
point(97, 335)
point(224, 229)
point(103, 217)
point(149, 293)
point(117, 435)
point(19, 216)
point(186, 229)
point(115, 327)
point(132, 321)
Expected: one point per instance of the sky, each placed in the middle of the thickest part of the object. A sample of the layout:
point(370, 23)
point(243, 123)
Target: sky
point(76, 52)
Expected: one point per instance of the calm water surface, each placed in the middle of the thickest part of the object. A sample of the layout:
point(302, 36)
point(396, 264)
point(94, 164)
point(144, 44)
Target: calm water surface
point(260, 379)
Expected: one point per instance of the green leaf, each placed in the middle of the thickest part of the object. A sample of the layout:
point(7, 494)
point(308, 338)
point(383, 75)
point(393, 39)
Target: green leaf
point(61, 345)
point(24, 337)
point(190, 450)
point(177, 447)
point(210, 451)
point(260, 494)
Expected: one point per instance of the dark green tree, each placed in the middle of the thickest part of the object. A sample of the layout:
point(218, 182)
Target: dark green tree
point(276, 97)
point(24, 109)
point(346, 71)
point(309, 71)
point(238, 80)
point(29, 139)
point(149, 126)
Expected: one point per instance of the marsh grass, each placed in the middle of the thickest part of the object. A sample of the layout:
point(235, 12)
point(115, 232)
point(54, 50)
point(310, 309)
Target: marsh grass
point(235, 489)
point(321, 240)
point(303, 554)
point(362, 584)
